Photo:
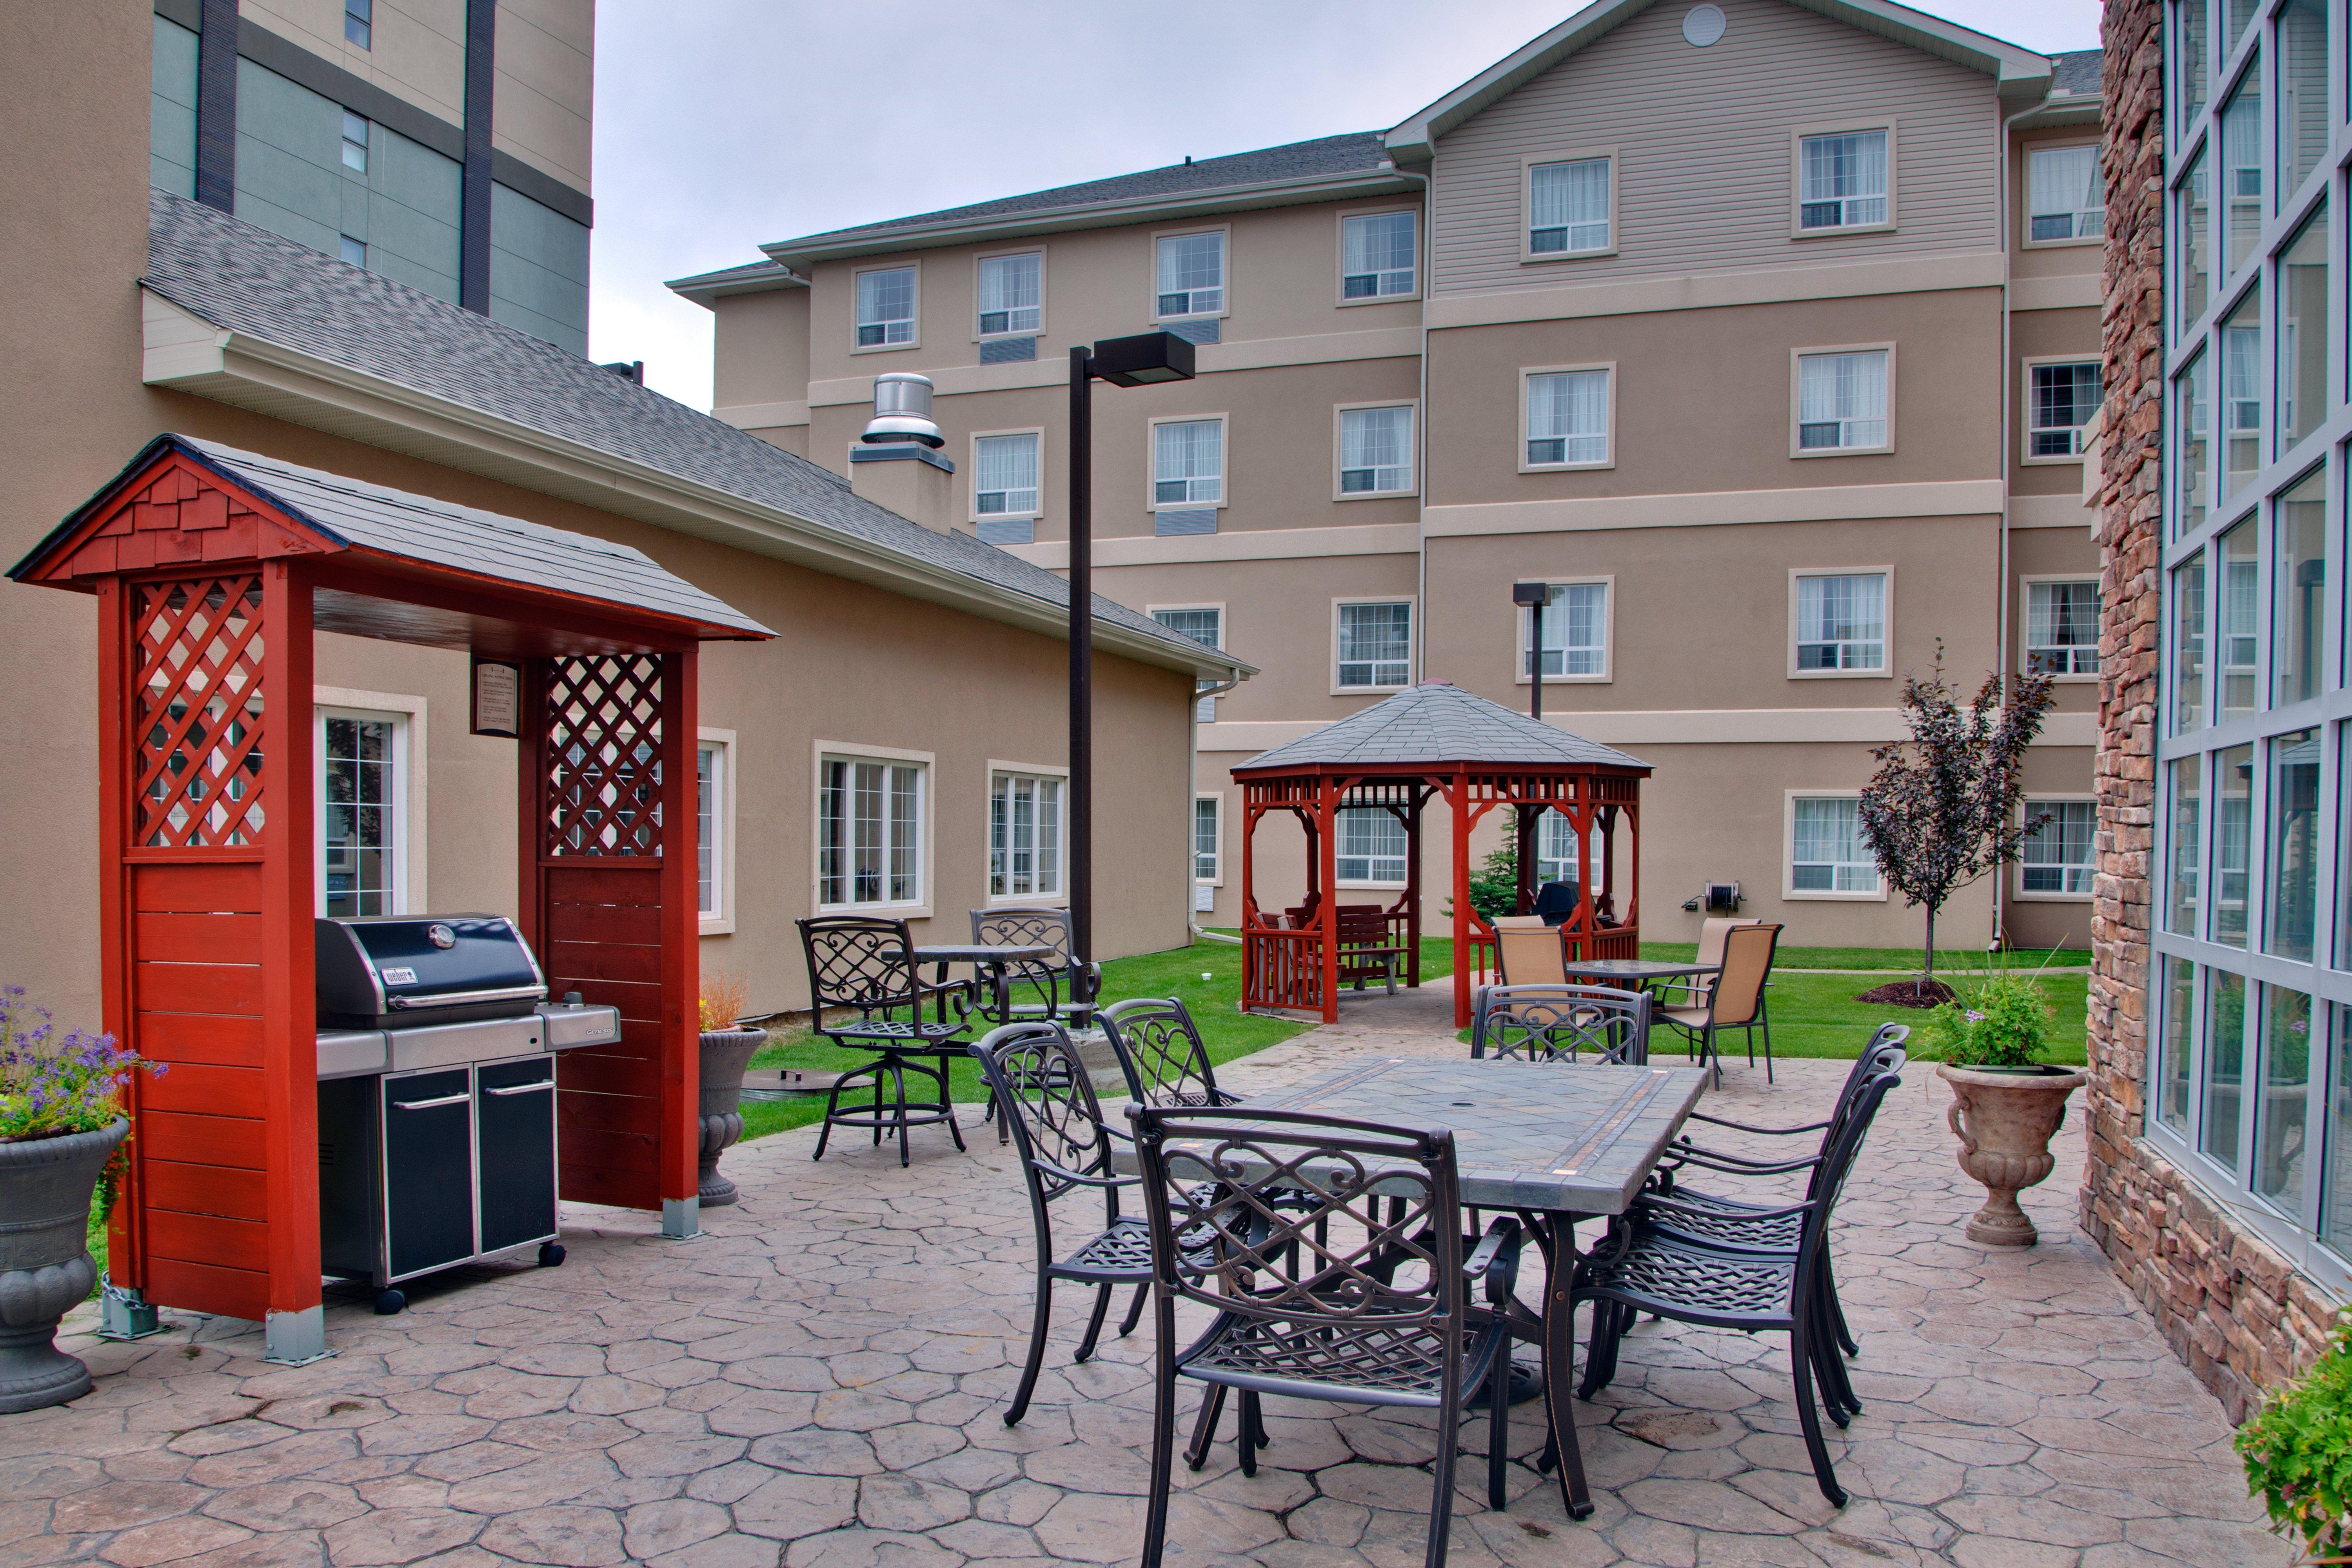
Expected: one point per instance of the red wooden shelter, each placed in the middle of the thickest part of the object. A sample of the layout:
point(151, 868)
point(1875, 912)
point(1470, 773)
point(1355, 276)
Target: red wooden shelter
point(1432, 741)
point(213, 569)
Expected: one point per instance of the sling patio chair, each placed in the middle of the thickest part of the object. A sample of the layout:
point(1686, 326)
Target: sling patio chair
point(1560, 1023)
point(1529, 951)
point(856, 961)
point(1736, 1000)
point(1358, 1295)
point(1641, 1267)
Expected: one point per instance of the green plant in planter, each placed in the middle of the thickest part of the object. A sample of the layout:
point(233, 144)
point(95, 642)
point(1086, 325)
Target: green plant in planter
point(51, 1087)
point(2299, 1456)
point(2003, 1022)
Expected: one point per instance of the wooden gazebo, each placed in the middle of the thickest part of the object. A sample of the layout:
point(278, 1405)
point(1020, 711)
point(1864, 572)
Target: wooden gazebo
point(1432, 741)
point(212, 569)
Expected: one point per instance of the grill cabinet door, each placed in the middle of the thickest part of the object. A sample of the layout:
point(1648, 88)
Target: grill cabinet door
point(428, 1169)
point(517, 1137)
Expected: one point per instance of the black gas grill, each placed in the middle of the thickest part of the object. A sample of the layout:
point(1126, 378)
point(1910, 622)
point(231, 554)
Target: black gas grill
point(437, 1096)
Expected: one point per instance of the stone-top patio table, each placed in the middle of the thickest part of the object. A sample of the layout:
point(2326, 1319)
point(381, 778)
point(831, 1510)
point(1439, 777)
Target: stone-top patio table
point(1555, 1143)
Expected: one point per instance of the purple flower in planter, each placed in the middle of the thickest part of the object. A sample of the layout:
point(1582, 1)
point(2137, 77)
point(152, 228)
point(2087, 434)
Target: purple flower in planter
point(1973, 1016)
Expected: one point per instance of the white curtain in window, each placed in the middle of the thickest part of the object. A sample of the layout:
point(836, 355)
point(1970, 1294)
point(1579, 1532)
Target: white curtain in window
point(1558, 854)
point(1570, 410)
point(1846, 390)
point(1191, 261)
point(1841, 609)
point(1845, 167)
point(1375, 645)
point(1008, 293)
point(1828, 855)
point(1575, 629)
point(2064, 182)
point(1569, 197)
point(1190, 457)
point(1373, 845)
point(1004, 474)
point(1380, 243)
point(1376, 449)
point(884, 297)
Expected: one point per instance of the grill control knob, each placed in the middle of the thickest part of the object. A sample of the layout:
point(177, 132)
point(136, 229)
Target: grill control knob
point(440, 936)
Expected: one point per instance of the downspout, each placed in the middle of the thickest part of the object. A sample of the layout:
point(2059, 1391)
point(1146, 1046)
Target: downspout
point(1421, 439)
point(2007, 412)
point(1201, 691)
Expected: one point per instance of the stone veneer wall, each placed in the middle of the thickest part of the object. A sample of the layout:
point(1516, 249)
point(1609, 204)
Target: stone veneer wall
point(2232, 1307)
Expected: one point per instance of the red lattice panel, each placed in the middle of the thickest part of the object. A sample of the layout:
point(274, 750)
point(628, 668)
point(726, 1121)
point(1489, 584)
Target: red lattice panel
point(604, 755)
point(196, 713)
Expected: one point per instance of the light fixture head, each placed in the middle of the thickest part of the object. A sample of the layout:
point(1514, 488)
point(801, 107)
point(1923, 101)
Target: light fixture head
point(1145, 360)
point(1528, 595)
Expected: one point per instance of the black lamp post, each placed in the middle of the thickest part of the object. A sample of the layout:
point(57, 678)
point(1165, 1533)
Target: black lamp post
point(1144, 360)
point(1531, 596)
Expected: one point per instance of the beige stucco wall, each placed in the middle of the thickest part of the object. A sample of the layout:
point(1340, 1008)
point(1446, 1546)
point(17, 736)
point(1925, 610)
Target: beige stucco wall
point(851, 663)
point(543, 103)
point(761, 348)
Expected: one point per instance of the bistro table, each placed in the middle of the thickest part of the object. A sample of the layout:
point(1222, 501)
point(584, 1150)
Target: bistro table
point(1554, 1144)
point(1637, 972)
point(993, 959)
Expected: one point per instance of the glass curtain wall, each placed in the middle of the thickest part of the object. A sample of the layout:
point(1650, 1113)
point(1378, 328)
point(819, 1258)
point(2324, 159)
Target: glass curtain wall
point(2250, 1066)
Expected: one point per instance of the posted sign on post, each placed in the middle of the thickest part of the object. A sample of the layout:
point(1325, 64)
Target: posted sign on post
point(497, 698)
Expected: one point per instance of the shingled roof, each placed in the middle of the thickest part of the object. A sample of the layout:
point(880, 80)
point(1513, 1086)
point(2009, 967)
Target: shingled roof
point(1357, 152)
point(2076, 72)
point(248, 281)
point(1438, 725)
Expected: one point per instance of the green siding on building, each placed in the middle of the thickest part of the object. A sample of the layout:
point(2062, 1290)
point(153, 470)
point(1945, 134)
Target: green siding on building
point(539, 270)
point(172, 110)
point(291, 179)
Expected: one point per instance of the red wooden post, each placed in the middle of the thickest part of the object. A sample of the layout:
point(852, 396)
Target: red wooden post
point(1327, 817)
point(126, 1238)
point(681, 1054)
point(1412, 887)
point(295, 1329)
point(1457, 800)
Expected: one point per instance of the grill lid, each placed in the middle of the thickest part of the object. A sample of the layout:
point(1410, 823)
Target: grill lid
point(387, 971)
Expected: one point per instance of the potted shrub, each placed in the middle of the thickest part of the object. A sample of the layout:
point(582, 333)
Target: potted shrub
point(2007, 1103)
point(2298, 1455)
point(61, 1130)
point(727, 1049)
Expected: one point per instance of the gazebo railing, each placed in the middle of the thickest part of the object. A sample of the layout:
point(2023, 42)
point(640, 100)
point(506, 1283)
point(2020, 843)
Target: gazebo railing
point(1282, 969)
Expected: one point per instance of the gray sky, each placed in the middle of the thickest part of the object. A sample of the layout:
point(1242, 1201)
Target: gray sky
point(723, 123)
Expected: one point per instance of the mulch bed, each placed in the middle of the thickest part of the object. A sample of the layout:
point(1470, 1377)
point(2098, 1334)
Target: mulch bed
point(1911, 993)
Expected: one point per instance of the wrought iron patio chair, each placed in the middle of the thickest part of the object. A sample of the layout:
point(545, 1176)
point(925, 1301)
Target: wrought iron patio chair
point(1639, 1267)
point(1048, 987)
point(1362, 1295)
point(857, 961)
point(1561, 1023)
point(1158, 1049)
point(1736, 1000)
point(1035, 1073)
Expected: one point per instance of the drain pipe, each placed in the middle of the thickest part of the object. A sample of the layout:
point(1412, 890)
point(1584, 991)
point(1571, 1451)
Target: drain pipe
point(2004, 468)
point(1420, 437)
point(1202, 692)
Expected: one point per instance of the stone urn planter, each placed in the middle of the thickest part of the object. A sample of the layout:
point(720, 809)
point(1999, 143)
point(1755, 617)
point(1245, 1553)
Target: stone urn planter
point(726, 1052)
point(2005, 1118)
point(45, 1265)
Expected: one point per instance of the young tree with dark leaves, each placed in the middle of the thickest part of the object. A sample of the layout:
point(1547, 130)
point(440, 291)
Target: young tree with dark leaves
point(1943, 807)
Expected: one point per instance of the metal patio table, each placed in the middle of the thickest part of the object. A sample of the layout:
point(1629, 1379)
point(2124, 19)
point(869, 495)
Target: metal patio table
point(990, 959)
point(1554, 1144)
point(1635, 973)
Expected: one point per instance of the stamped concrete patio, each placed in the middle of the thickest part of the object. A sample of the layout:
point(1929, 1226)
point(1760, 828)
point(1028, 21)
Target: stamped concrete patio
point(819, 1382)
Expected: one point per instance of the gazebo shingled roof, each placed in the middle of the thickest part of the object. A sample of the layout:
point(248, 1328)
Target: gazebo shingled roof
point(1429, 740)
point(1438, 722)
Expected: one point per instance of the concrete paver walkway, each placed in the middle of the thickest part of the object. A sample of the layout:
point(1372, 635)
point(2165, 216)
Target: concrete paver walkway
point(819, 1383)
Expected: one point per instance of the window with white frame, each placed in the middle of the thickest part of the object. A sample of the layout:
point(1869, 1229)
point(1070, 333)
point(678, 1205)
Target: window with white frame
point(2065, 198)
point(1826, 852)
point(1841, 180)
point(1192, 274)
point(355, 143)
point(1203, 624)
point(1568, 207)
point(1010, 290)
point(361, 831)
point(1375, 645)
point(1841, 401)
point(1004, 475)
point(1841, 622)
point(2056, 858)
point(1377, 256)
point(2061, 628)
point(1568, 419)
point(869, 840)
point(1375, 451)
point(1559, 856)
point(2061, 401)
point(711, 821)
point(1024, 836)
point(885, 307)
point(1373, 845)
point(1208, 840)
point(1575, 632)
point(1188, 462)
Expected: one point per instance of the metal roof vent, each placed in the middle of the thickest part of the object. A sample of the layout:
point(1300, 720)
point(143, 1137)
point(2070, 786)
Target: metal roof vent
point(902, 410)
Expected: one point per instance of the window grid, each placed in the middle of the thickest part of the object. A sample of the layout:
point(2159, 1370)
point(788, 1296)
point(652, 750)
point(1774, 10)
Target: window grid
point(1842, 400)
point(1826, 854)
point(2061, 628)
point(886, 308)
point(1004, 475)
point(1373, 845)
point(2056, 856)
point(1204, 626)
point(357, 826)
point(1191, 275)
point(1568, 418)
point(1375, 645)
point(1188, 462)
point(355, 143)
point(1575, 632)
point(1375, 451)
point(1842, 623)
point(1841, 180)
point(710, 784)
point(1568, 207)
point(1024, 836)
point(870, 832)
point(2065, 197)
point(1377, 256)
point(2249, 1071)
point(2060, 401)
point(1206, 838)
point(1010, 295)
